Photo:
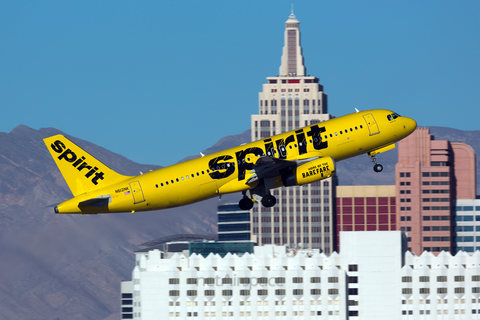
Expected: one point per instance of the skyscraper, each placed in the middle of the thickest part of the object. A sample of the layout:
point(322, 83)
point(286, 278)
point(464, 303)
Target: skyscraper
point(430, 176)
point(303, 215)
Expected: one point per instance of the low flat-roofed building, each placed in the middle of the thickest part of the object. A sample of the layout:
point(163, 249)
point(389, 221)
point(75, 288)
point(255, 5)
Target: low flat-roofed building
point(365, 208)
point(374, 277)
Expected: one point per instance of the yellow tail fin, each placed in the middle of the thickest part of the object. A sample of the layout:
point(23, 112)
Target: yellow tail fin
point(81, 171)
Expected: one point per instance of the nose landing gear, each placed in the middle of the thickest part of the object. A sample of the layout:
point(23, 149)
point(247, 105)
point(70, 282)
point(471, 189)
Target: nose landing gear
point(376, 166)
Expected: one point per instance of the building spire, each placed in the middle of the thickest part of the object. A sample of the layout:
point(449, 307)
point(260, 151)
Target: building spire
point(292, 59)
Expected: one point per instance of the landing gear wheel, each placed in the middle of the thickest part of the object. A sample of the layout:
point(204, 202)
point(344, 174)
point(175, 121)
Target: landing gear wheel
point(245, 204)
point(376, 166)
point(269, 201)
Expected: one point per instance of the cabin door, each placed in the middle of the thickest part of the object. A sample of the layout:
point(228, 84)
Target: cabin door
point(137, 192)
point(371, 124)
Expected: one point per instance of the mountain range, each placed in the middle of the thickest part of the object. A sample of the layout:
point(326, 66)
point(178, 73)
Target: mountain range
point(70, 266)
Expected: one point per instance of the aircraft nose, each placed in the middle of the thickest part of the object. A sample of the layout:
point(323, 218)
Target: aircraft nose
point(410, 125)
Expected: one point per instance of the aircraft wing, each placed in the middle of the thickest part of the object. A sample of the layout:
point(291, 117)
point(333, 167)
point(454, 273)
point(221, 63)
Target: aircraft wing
point(269, 167)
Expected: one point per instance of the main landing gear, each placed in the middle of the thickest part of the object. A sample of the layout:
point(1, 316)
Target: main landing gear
point(245, 203)
point(376, 166)
point(267, 201)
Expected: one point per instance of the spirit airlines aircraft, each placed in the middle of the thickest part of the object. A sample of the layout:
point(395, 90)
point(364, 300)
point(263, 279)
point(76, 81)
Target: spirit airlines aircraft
point(293, 158)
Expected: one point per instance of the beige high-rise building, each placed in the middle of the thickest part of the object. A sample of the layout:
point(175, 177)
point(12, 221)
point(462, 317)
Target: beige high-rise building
point(303, 215)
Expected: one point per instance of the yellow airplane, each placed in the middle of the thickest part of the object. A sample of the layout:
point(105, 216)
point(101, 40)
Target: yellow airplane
point(293, 158)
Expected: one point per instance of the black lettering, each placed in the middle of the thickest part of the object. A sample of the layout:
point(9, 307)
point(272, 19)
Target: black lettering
point(68, 155)
point(290, 139)
point(89, 173)
point(281, 148)
point(302, 145)
point(76, 163)
point(242, 164)
point(269, 147)
point(303, 175)
point(84, 166)
point(57, 146)
point(230, 169)
point(315, 133)
point(79, 163)
point(98, 175)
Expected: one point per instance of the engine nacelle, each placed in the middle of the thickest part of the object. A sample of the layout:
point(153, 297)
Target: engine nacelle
point(309, 172)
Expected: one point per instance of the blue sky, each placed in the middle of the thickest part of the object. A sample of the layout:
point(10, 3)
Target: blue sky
point(157, 81)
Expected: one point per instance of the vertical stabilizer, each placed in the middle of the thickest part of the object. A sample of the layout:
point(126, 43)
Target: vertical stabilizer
point(81, 171)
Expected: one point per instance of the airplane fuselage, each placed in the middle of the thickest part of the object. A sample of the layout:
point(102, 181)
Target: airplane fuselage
point(231, 170)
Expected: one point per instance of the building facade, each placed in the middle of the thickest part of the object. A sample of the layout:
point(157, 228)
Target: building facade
point(373, 277)
point(365, 208)
point(233, 223)
point(467, 225)
point(430, 176)
point(303, 215)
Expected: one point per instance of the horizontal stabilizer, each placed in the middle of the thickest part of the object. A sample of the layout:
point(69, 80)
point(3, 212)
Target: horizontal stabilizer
point(95, 202)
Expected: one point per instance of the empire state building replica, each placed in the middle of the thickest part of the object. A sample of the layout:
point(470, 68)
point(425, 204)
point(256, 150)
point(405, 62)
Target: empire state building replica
point(303, 215)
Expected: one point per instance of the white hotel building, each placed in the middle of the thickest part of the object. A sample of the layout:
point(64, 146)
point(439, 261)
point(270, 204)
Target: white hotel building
point(373, 277)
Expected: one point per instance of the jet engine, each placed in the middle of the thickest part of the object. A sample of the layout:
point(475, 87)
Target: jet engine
point(309, 172)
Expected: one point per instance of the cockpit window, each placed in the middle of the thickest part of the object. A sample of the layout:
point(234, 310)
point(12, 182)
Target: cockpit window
point(393, 116)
